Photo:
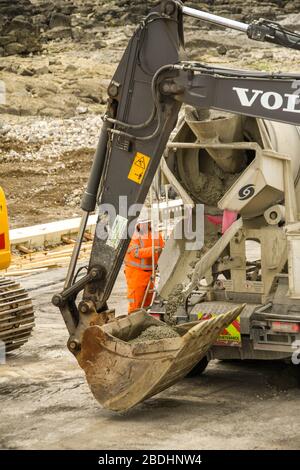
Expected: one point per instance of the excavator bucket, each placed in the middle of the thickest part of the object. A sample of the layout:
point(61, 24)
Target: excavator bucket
point(122, 372)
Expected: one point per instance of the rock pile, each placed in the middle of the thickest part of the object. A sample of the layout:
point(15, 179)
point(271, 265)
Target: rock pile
point(18, 33)
point(25, 24)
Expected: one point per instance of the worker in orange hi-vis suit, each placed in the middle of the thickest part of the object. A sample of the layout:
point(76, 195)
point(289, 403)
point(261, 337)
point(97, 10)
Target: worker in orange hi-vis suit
point(138, 264)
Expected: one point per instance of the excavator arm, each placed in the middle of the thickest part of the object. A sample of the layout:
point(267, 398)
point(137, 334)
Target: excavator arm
point(137, 125)
point(145, 96)
point(146, 93)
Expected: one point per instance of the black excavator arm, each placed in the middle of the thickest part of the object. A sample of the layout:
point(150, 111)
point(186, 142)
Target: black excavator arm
point(146, 93)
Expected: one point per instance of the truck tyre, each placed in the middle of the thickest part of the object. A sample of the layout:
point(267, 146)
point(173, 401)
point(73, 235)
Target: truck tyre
point(199, 368)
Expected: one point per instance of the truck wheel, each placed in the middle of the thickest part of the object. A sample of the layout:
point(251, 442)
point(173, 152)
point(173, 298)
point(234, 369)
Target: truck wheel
point(199, 368)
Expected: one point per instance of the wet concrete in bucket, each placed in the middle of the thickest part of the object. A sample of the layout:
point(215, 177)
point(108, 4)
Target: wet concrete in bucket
point(154, 333)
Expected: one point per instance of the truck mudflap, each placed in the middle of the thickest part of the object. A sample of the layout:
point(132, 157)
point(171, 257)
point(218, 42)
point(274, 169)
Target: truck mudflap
point(121, 374)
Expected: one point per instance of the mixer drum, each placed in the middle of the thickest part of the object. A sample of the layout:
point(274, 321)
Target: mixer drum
point(215, 173)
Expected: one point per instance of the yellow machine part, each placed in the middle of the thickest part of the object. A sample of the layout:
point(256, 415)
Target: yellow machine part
point(5, 255)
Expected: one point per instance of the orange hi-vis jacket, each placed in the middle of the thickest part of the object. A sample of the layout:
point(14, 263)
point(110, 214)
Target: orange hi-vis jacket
point(139, 253)
point(138, 269)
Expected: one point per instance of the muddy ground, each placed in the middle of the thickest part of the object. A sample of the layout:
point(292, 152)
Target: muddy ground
point(46, 403)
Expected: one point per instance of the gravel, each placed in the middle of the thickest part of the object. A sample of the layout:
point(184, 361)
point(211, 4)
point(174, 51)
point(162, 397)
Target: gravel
point(155, 333)
point(53, 136)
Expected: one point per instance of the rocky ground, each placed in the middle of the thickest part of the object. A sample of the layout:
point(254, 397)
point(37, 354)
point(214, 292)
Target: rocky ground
point(27, 24)
point(55, 97)
point(56, 59)
point(44, 167)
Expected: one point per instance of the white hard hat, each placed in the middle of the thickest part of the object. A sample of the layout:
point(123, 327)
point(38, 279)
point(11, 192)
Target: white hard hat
point(144, 221)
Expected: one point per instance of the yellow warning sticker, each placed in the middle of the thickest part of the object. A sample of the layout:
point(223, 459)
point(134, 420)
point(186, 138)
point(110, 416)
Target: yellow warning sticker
point(139, 168)
point(230, 336)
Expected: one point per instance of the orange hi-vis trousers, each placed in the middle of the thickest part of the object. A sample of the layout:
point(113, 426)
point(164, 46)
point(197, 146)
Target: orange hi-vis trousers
point(137, 283)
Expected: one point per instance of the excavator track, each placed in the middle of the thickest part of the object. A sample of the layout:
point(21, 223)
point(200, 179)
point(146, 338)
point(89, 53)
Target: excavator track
point(16, 314)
